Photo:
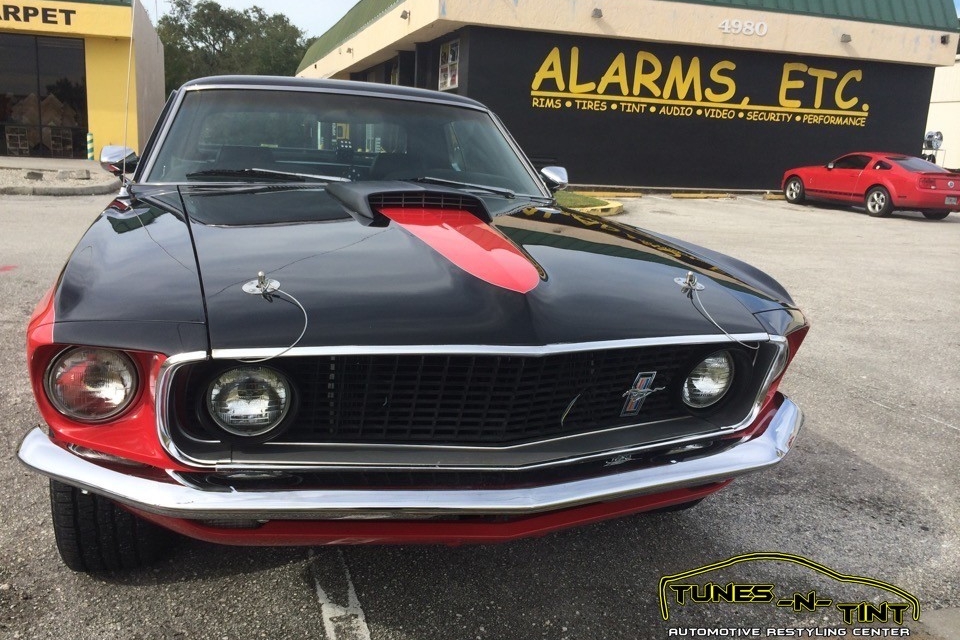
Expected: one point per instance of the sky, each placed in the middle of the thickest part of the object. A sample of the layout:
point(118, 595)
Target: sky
point(313, 16)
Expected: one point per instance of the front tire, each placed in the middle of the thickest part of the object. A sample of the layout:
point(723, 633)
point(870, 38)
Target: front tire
point(935, 215)
point(793, 191)
point(93, 534)
point(878, 202)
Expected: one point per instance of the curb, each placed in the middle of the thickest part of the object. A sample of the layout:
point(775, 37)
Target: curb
point(605, 195)
point(612, 208)
point(703, 196)
point(92, 190)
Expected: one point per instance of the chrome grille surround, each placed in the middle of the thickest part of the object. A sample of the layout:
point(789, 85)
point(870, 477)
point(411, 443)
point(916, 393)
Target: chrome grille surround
point(547, 452)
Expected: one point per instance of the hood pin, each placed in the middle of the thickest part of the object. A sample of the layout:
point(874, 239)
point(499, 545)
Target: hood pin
point(689, 283)
point(262, 286)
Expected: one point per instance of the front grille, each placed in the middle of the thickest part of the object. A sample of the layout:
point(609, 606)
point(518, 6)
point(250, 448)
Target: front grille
point(478, 400)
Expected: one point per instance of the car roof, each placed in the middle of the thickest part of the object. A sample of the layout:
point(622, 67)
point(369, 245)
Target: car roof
point(352, 86)
point(875, 153)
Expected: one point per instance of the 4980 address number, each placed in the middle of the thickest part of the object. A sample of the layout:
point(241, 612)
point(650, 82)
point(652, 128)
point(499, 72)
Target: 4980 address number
point(744, 28)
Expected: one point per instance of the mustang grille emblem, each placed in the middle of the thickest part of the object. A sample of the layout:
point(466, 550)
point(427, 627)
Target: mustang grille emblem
point(635, 395)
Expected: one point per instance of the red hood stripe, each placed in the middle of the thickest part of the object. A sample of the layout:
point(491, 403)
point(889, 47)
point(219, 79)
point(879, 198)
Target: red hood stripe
point(471, 244)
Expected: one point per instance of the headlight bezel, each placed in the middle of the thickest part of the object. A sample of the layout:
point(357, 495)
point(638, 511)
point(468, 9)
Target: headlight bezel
point(55, 401)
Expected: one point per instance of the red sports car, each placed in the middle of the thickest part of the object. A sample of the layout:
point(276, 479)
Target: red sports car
point(881, 182)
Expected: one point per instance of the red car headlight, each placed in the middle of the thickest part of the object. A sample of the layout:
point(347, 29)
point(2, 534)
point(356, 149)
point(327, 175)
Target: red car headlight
point(91, 385)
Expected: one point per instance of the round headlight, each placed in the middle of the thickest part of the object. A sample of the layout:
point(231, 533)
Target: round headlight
point(709, 381)
point(249, 401)
point(91, 385)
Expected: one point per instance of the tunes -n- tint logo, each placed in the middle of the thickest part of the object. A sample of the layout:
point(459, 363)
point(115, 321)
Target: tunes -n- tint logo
point(680, 590)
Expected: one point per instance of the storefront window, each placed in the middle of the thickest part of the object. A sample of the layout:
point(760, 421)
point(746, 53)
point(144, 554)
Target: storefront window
point(43, 96)
point(449, 65)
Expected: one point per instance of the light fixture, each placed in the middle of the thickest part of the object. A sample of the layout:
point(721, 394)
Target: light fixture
point(249, 401)
point(597, 13)
point(404, 15)
point(709, 381)
point(945, 39)
point(349, 49)
point(845, 37)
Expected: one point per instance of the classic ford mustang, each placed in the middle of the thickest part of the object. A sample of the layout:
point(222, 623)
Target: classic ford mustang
point(324, 312)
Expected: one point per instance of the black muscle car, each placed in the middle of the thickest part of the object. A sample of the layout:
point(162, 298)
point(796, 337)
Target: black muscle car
point(332, 312)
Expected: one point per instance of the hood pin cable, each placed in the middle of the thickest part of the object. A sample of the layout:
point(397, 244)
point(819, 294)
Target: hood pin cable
point(691, 288)
point(267, 288)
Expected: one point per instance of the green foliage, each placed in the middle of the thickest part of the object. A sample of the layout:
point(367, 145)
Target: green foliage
point(203, 39)
point(575, 200)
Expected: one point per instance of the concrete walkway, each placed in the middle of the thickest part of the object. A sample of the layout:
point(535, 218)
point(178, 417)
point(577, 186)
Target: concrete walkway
point(58, 177)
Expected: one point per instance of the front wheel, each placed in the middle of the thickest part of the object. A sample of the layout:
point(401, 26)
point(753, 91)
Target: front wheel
point(935, 215)
point(793, 190)
point(878, 202)
point(94, 534)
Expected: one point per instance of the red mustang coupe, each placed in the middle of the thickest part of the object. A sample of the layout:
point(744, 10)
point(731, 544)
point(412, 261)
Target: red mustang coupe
point(881, 182)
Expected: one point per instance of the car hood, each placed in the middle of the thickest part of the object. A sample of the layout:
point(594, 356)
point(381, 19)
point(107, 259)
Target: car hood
point(346, 281)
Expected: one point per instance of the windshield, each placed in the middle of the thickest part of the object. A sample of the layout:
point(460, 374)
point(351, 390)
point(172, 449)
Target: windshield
point(217, 134)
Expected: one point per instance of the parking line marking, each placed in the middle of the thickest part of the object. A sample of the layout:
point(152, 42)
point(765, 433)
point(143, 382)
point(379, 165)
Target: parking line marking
point(340, 621)
point(910, 409)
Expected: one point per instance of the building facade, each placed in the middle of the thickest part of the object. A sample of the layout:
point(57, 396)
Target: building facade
point(665, 93)
point(944, 117)
point(64, 74)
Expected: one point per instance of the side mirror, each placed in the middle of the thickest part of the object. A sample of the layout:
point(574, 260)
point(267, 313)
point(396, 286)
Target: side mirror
point(118, 160)
point(555, 177)
point(829, 165)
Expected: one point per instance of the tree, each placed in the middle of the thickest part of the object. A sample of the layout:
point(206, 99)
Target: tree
point(205, 39)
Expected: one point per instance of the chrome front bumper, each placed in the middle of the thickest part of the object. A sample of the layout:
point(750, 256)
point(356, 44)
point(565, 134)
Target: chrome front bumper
point(179, 500)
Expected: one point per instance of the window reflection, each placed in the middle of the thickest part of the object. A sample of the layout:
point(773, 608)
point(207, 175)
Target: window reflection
point(43, 96)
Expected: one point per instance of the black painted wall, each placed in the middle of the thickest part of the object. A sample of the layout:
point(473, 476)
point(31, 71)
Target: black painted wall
point(751, 121)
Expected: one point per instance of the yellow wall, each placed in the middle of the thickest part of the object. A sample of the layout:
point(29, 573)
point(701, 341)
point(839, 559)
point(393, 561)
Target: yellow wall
point(66, 18)
point(107, 94)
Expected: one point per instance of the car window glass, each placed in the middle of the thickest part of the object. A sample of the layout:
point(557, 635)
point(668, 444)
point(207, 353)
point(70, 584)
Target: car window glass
point(882, 166)
point(855, 161)
point(918, 164)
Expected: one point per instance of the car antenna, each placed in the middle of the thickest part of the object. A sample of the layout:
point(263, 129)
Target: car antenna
point(126, 101)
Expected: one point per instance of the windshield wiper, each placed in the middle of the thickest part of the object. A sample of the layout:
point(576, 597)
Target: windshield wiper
point(264, 173)
point(506, 193)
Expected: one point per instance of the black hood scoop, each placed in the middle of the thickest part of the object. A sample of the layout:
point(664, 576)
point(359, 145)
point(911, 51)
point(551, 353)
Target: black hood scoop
point(363, 200)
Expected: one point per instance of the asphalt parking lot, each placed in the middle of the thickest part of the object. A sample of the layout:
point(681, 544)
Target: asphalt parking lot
point(872, 489)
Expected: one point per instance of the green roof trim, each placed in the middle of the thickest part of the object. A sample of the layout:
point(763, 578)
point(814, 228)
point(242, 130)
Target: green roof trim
point(925, 14)
point(355, 20)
